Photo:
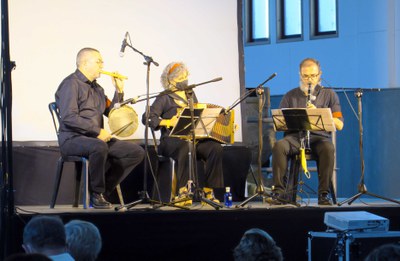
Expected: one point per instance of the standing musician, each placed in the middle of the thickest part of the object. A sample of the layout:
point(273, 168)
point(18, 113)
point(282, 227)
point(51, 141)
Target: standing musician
point(309, 95)
point(163, 116)
point(82, 103)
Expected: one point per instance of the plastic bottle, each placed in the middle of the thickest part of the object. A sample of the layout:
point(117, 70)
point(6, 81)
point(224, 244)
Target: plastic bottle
point(228, 197)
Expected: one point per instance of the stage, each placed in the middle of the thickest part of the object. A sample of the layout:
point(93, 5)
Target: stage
point(203, 233)
point(167, 233)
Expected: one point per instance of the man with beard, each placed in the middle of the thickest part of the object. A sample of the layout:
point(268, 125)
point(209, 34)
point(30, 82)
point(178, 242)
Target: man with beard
point(309, 95)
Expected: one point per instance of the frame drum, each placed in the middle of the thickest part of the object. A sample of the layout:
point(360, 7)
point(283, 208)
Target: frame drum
point(123, 121)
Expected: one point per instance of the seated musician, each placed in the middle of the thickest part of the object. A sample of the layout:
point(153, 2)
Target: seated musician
point(163, 116)
point(310, 94)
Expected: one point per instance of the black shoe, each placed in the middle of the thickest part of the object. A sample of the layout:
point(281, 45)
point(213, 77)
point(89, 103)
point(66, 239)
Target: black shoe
point(276, 199)
point(97, 201)
point(323, 199)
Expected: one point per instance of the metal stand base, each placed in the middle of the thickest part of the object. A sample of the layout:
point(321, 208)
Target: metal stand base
point(362, 190)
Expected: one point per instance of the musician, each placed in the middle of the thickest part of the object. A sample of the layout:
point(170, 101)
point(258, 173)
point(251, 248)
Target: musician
point(163, 116)
point(82, 103)
point(310, 94)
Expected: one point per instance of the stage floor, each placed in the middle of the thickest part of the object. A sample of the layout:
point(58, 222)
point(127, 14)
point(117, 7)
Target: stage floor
point(203, 233)
point(255, 204)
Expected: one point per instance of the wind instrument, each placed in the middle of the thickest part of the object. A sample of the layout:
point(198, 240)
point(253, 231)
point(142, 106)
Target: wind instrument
point(115, 75)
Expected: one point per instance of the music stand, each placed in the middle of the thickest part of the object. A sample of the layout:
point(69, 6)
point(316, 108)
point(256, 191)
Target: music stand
point(301, 119)
point(188, 127)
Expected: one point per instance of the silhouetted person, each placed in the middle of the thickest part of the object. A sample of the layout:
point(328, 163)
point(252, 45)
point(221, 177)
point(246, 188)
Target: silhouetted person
point(387, 252)
point(257, 245)
point(46, 235)
point(83, 240)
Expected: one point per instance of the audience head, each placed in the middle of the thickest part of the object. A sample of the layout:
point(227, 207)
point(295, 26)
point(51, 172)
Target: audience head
point(83, 240)
point(387, 252)
point(45, 235)
point(256, 244)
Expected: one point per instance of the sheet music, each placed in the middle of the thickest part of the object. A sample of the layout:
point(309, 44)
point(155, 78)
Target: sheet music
point(318, 119)
point(207, 122)
point(204, 121)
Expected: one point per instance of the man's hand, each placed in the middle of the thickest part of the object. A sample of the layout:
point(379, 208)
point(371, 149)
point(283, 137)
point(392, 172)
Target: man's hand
point(104, 135)
point(170, 122)
point(338, 123)
point(118, 84)
point(310, 106)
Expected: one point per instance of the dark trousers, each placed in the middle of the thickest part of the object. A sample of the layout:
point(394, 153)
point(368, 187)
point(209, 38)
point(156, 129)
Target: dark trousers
point(321, 146)
point(208, 150)
point(109, 163)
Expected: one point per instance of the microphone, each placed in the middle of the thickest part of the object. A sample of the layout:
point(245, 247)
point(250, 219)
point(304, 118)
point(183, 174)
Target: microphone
point(120, 104)
point(269, 78)
point(123, 45)
point(216, 79)
point(189, 87)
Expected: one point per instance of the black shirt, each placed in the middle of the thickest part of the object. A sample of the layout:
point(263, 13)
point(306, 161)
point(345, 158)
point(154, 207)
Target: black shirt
point(82, 104)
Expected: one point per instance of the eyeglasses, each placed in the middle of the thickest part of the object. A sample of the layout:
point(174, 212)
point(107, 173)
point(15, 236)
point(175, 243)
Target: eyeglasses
point(309, 76)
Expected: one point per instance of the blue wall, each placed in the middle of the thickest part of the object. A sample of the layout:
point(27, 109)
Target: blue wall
point(365, 54)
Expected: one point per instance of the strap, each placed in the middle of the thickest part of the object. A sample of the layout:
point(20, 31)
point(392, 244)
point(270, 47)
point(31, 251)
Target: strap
point(304, 162)
point(177, 97)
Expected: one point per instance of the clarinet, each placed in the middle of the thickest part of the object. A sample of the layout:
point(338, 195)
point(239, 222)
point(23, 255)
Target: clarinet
point(308, 95)
point(308, 148)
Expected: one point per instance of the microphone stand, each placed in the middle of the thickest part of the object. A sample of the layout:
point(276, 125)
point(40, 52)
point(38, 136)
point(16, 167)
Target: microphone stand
point(192, 153)
point(144, 195)
point(260, 191)
point(362, 188)
point(7, 207)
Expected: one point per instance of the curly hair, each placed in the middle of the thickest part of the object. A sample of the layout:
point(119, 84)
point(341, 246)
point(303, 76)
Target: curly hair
point(172, 71)
point(257, 245)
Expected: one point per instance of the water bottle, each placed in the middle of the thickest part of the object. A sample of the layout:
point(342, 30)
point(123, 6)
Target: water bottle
point(228, 197)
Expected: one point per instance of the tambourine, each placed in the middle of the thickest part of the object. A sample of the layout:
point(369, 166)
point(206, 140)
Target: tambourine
point(123, 121)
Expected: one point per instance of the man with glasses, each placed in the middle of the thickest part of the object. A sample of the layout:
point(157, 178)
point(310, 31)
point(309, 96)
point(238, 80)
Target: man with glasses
point(82, 104)
point(309, 95)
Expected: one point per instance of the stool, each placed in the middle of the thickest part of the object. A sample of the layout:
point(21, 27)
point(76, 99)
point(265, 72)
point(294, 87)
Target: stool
point(295, 179)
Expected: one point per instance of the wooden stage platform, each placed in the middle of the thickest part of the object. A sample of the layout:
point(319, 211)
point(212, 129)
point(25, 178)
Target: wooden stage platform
point(202, 233)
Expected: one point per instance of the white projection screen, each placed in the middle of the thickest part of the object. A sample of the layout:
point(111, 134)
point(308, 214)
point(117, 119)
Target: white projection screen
point(45, 36)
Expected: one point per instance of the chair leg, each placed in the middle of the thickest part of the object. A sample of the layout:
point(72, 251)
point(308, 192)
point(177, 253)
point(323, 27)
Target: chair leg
point(78, 176)
point(333, 194)
point(163, 188)
point(85, 172)
point(292, 183)
point(60, 166)
point(174, 181)
point(120, 196)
